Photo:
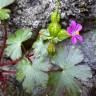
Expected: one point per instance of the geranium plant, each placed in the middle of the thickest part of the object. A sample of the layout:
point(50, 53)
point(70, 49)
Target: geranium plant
point(48, 63)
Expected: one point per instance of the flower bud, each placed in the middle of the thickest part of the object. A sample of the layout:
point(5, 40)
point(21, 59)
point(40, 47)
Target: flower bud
point(51, 49)
point(55, 17)
point(54, 28)
point(63, 34)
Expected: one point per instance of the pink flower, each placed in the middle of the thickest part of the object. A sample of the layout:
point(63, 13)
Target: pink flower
point(73, 30)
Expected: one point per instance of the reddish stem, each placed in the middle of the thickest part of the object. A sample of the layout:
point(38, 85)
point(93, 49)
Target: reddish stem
point(9, 63)
point(3, 79)
point(4, 64)
point(30, 55)
point(9, 72)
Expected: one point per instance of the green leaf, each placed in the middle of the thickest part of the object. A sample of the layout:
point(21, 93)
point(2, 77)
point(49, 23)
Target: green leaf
point(44, 34)
point(14, 43)
point(4, 14)
point(68, 58)
point(34, 73)
point(4, 3)
point(40, 48)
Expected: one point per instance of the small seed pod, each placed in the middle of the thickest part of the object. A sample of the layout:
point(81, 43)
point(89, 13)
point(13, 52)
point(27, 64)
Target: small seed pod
point(51, 49)
point(63, 34)
point(54, 28)
point(55, 17)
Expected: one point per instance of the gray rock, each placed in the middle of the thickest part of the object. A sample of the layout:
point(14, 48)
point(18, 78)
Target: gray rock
point(26, 12)
point(89, 48)
point(32, 11)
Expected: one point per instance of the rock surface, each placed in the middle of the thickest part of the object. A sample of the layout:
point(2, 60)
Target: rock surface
point(31, 13)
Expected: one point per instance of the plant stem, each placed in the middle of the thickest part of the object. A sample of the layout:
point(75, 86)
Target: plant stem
point(4, 40)
point(9, 63)
point(9, 72)
point(58, 5)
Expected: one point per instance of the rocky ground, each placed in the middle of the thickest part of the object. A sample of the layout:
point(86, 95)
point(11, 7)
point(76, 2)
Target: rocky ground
point(31, 13)
point(35, 13)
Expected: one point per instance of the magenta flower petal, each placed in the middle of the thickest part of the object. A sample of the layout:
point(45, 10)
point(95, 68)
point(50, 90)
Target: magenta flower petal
point(72, 27)
point(78, 28)
point(70, 30)
point(79, 37)
point(73, 30)
point(74, 40)
point(73, 24)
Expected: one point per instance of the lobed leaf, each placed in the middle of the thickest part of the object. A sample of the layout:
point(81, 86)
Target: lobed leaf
point(4, 14)
point(44, 34)
point(34, 73)
point(68, 58)
point(40, 48)
point(4, 3)
point(14, 43)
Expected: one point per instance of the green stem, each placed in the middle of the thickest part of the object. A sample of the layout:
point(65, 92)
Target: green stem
point(24, 48)
point(58, 5)
point(4, 40)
